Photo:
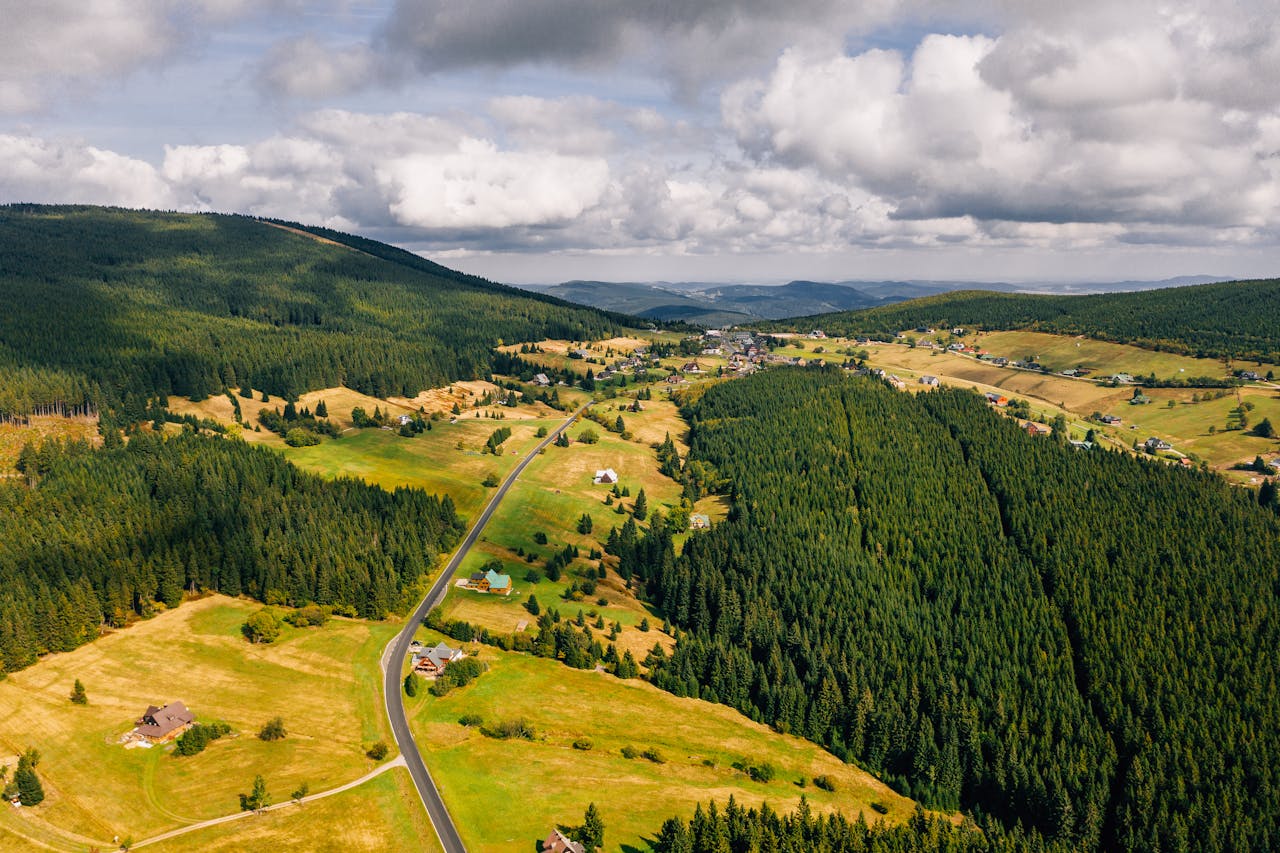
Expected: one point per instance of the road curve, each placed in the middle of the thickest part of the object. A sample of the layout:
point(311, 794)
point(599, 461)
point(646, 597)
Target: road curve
point(399, 647)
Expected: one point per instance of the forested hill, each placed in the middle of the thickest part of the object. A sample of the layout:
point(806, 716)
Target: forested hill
point(103, 303)
point(106, 536)
point(1081, 641)
point(1239, 318)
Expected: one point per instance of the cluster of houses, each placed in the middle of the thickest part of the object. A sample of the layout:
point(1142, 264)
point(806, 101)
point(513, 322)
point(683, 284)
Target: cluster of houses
point(430, 662)
point(490, 582)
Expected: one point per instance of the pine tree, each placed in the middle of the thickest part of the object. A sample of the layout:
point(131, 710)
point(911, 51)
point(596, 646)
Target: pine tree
point(78, 696)
point(591, 833)
point(30, 791)
point(641, 508)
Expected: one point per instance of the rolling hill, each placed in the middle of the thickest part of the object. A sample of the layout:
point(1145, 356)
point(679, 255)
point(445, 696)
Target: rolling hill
point(106, 304)
point(1236, 319)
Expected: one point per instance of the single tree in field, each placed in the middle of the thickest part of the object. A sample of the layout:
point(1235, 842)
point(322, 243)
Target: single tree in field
point(78, 696)
point(1264, 429)
point(585, 524)
point(273, 730)
point(591, 833)
point(258, 799)
point(301, 794)
point(411, 684)
point(30, 791)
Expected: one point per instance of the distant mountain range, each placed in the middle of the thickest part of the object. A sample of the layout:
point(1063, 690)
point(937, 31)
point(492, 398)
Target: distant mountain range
point(726, 303)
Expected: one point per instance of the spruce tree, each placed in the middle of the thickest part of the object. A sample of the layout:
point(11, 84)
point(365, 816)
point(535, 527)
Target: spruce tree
point(78, 696)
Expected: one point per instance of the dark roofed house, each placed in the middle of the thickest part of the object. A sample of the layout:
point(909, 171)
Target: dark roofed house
point(558, 842)
point(159, 724)
point(431, 662)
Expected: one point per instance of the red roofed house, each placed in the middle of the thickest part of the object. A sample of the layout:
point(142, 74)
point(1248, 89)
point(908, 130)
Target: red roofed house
point(158, 725)
point(558, 842)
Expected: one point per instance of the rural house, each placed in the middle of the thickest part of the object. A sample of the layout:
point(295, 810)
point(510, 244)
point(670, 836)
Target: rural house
point(432, 661)
point(691, 367)
point(1034, 428)
point(490, 581)
point(698, 521)
point(160, 724)
point(541, 379)
point(1155, 445)
point(558, 842)
point(931, 381)
point(605, 476)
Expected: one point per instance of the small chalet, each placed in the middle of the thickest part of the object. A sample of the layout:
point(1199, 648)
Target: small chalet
point(931, 381)
point(1112, 420)
point(558, 842)
point(606, 476)
point(1139, 399)
point(997, 399)
point(1034, 428)
point(541, 379)
point(432, 661)
point(1155, 445)
point(161, 724)
point(698, 521)
point(490, 581)
point(1000, 361)
point(1082, 445)
point(691, 367)
point(673, 379)
point(404, 420)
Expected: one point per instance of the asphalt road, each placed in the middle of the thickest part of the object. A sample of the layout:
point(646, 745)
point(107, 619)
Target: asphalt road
point(399, 648)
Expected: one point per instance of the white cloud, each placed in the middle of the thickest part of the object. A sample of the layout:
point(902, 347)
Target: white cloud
point(73, 172)
point(306, 68)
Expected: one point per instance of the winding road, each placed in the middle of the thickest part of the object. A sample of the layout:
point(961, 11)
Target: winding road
point(399, 647)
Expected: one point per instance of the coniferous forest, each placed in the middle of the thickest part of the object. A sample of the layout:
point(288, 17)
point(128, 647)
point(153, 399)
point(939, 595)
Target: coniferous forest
point(105, 535)
point(1235, 319)
point(1080, 642)
point(108, 307)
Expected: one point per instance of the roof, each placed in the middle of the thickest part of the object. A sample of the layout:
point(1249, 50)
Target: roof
point(606, 475)
point(158, 722)
point(558, 841)
point(441, 654)
point(496, 580)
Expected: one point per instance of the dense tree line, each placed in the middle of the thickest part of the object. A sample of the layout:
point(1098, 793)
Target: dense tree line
point(152, 304)
point(105, 535)
point(750, 830)
point(1234, 319)
point(1081, 641)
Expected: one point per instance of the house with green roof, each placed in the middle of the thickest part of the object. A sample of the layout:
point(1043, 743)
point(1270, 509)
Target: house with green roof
point(490, 581)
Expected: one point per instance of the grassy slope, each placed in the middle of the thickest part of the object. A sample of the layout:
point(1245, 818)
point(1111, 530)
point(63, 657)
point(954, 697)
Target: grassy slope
point(380, 815)
point(553, 782)
point(323, 682)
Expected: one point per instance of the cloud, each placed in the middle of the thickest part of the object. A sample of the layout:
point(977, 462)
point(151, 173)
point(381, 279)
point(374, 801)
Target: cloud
point(1024, 127)
point(71, 171)
point(55, 47)
point(306, 68)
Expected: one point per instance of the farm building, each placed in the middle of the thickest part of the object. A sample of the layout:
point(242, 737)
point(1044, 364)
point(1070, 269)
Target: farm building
point(542, 379)
point(431, 662)
point(605, 476)
point(931, 381)
point(1034, 428)
point(160, 724)
point(691, 367)
point(1155, 444)
point(558, 842)
point(997, 399)
point(1111, 419)
point(698, 521)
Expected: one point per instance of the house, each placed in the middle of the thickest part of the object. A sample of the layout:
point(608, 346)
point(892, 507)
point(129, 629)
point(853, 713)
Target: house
point(1111, 420)
point(958, 332)
point(1000, 361)
point(1082, 445)
point(924, 330)
point(1139, 399)
point(1155, 445)
point(404, 420)
point(1122, 377)
point(931, 381)
point(698, 521)
point(558, 842)
point(606, 476)
point(818, 334)
point(158, 725)
point(431, 662)
point(896, 382)
point(997, 399)
point(1034, 428)
point(490, 581)
point(691, 367)
point(1249, 376)
point(712, 351)
point(673, 379)
point(541, 379)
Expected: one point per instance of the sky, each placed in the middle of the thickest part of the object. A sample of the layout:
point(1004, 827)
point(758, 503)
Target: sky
point(719, 140)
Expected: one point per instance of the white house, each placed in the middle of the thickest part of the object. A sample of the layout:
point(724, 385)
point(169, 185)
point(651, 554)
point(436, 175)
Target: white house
point(606, 476)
